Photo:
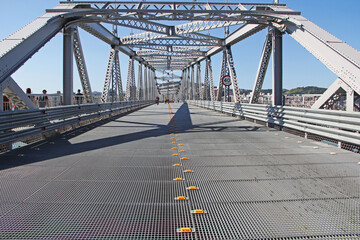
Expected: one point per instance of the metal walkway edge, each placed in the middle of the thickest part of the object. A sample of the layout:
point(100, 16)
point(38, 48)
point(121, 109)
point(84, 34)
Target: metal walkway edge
point(122, 179)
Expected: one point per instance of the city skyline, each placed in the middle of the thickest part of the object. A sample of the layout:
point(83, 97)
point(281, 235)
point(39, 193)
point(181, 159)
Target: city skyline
point(44, 69)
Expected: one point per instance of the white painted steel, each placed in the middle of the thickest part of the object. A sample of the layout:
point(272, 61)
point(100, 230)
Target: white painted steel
point(19, 124)
point(339, 125)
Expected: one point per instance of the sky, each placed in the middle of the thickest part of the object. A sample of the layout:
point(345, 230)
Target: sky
point(300, 68)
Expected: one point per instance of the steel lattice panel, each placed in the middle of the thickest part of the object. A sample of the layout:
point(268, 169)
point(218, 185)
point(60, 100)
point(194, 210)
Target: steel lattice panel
point(18, 190)
point(95, 221)
point(109, 192)
point(262, 191)
point(30, 172)
point(129, 161)
point(121, 173)
point(278, 220)
point(121, 187)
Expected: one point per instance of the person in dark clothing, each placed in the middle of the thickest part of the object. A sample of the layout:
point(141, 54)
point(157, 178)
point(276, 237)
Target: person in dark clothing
point(31, 97)
point(43, 100)
point(79, 97)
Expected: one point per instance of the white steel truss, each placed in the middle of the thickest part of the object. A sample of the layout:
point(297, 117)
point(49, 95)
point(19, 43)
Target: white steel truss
point(180, 45)
point(130, 82)
point(81, 66)
point(108, 74)
point(264, 62)
point(113, 79)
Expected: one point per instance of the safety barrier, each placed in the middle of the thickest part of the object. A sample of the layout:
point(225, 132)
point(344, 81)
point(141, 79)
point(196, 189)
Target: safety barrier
point(16, 125)
point(339, 127)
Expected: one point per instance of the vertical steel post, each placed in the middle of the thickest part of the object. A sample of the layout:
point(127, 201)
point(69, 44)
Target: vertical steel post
point(68, 66)
point(129, 80)
point(140, 86)
point(149, 84)
point(145, 83)
point(198, 81)
point(206, 81)
point(182, 85)
point(154, 85)
point(117, 73)
point(192, 84)
point(277, 68)
point(185, 84)
point(210, 80)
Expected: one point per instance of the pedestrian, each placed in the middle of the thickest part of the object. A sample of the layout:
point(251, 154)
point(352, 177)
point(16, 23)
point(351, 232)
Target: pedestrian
point(43, 100)
point(79, 97)
point(31, 97)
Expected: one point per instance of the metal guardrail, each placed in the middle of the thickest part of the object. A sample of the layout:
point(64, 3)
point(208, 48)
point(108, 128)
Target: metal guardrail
point(15, 125)
point(341, 126)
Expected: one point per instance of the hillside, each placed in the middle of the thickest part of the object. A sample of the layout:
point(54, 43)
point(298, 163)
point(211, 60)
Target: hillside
point(306, 90)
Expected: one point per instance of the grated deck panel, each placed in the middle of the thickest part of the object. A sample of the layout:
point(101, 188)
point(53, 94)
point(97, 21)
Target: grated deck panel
point(115, 181)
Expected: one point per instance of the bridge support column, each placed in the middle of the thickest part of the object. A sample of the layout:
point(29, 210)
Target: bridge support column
point(182, 82)
point(149, 83)
point(152, 85)
point(198, 81)
point(130, 82)
point(140, 87)
point(206, 90)
point(185, 84)
point(192, 84)
point(68, 66)
point(277, 68)
point(145, 83)
point(211, 80)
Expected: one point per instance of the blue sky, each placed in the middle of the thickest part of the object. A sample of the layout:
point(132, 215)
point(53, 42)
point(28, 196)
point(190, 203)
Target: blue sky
point(44, 69)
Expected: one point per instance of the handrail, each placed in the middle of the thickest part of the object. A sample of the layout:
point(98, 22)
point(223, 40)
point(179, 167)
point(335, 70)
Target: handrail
point(15, 125)
point(338, 125)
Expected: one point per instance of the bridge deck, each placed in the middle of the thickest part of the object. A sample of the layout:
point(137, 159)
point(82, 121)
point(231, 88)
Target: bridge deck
point(114, 180)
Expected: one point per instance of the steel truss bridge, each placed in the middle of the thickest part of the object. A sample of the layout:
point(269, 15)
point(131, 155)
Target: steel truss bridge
point(128, 169)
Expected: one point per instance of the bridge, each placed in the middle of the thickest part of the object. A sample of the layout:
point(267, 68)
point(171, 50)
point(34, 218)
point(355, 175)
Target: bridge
point(207, 166)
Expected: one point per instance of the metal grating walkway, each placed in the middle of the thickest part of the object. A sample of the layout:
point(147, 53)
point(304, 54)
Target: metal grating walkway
point(114, 180)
